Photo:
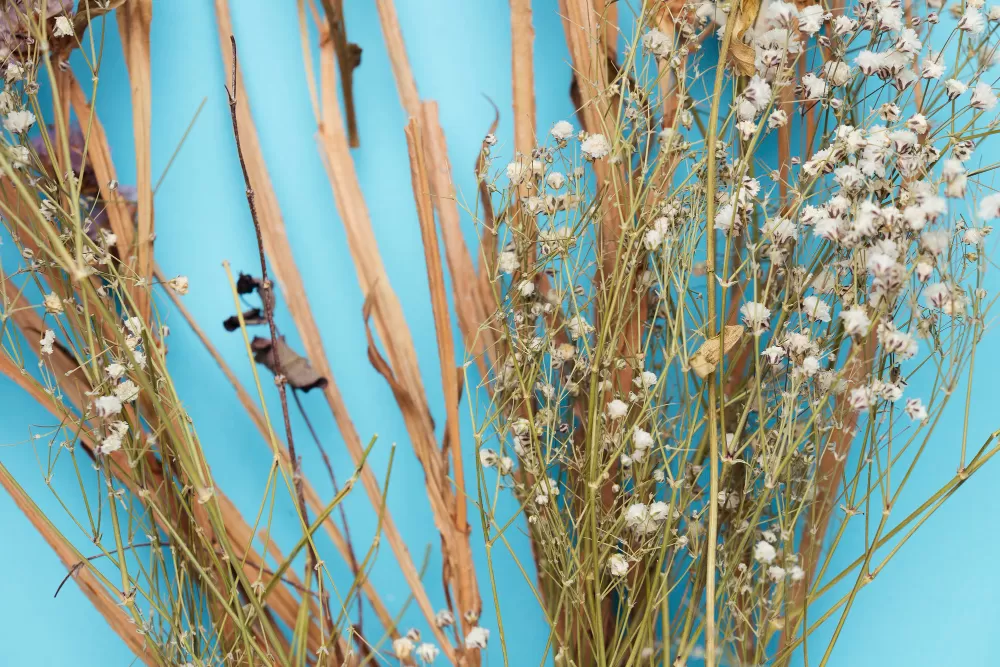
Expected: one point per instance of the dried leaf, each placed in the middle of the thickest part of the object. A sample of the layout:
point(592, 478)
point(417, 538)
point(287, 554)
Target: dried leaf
point(251, 317)
point(741, 54)
point(707, 357)
point(296, 368)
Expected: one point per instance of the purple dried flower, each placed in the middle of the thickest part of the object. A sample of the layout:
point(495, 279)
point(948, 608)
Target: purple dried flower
point(12, 28)
point(77, 144)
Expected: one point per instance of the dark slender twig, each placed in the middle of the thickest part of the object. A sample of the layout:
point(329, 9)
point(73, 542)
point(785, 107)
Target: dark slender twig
point(78, 566)
point(279, 376)
point(348, 58)
point(353, 559)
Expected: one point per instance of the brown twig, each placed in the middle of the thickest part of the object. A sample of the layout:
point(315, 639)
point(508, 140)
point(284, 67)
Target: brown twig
point(351, 556)
point(279, 378)
point(348, 58)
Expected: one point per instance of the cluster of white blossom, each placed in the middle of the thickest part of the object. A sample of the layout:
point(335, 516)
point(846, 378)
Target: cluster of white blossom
point(839, 272)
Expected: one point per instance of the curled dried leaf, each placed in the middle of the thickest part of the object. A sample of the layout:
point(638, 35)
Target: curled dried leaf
point(741, 54)
point(251, 317)
point(296, 368)
point(708, 355)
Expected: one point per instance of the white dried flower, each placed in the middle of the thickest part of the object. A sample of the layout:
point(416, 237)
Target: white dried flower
point(972, 21)
point(427, 653)
point(179, 284)
point(577, 326)
point(659, 511)
point(63, 27)
point(545, 489)
point(983, 97)
point(18, 122)
point(562, 130)
point(113, 441)
point(127, 391)
point(763, 552)
point(617, 565)
point(637, 518)
point(757, 316)
point(477, 638)
point(657, 43)
point(444, 619)
point(105, 406)
point(989, 206)
point(507, 262)
point(617, 409)
point(518, 171)
point(838, 73)
point(487, 457)
point(816, 309)
point(555, 180)
point(856, 321)
point(774, 355)
point(47, 341)
point(53, 304)
point(402, 647)
point(641, 439)
point(595, 147)
point(915, 409)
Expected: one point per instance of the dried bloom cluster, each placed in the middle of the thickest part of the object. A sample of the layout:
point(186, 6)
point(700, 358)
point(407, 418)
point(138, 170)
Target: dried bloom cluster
point(649, 453)
point(81, 300)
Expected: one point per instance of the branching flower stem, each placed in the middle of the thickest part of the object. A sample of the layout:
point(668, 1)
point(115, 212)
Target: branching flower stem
point(713, 330)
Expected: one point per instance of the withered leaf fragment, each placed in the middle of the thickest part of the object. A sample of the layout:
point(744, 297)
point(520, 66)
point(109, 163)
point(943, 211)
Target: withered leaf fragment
point(250, 318)
point(708, 356)
point(296, 368)
point(247, 284)
point(741, 54)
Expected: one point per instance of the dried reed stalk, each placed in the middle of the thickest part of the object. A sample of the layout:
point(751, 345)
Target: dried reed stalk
point(470, 306)
point(383, 307)
point(522, 73)
point(256, 416)
point(830, 475)
point(457, 550)
point(99, 155)
point(96, 591)
point(134, 19)
point(348, 58)
point(293, 290)
point(236, 530)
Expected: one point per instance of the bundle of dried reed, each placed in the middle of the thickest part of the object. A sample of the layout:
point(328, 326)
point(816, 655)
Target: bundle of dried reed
point(657, 447)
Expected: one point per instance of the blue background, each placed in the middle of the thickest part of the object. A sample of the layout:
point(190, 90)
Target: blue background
point(935, 604)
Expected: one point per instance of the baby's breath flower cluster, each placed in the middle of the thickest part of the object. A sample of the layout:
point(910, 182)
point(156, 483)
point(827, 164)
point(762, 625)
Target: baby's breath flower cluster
point(729, 307)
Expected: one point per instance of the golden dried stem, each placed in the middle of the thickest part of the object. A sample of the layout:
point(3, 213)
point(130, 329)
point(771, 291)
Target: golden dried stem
point(469, 305)
point(96, 592)
point(134, 20)
point(460, 555)
point(523, 74)
point(382, 303)
point(829, 475)
point(293, 291)
point(256, 416)
point(394, 44)
point(99, 156)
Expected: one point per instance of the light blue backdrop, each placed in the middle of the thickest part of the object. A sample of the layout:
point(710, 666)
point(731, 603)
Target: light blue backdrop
point(934, 606)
